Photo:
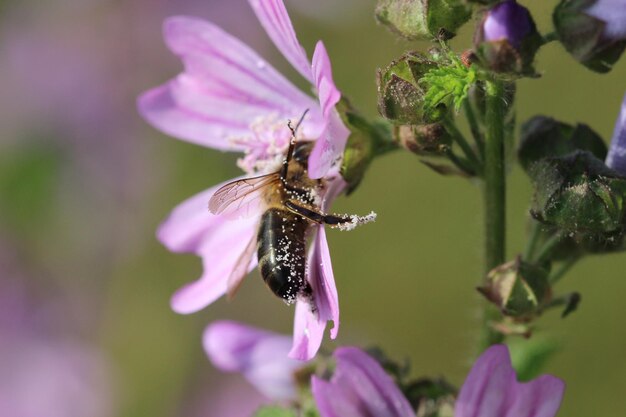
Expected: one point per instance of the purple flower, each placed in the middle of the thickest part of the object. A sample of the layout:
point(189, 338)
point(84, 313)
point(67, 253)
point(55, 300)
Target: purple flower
point(261, 356)
point(613, 14)
point(491, 390)
point(507, 21)
point(616, 158)
point(229, 98)
point(359, 388)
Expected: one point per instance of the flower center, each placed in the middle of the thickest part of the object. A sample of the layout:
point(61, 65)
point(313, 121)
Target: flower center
point(265, 146)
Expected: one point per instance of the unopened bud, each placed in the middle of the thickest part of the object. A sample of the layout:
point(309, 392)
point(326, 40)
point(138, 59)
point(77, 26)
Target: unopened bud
point(545, 137)
point(507, 39)
point(518, 288)
point(423, 19)
point(592, 31)
point(425, 140)
point(400, 97)
point(579, 195)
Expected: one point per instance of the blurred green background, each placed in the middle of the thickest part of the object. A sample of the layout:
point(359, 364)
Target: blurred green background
point(84, 182)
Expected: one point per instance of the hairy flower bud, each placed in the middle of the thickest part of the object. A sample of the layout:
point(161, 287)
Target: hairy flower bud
point(400, 97)
point(592, 31)
point(518, 288)
point(543, 137)
point(426, 140)
point(506, 41)
point(423, 19)
point(580, 196)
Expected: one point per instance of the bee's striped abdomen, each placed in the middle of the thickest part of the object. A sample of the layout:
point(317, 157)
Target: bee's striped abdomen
point(282, 253)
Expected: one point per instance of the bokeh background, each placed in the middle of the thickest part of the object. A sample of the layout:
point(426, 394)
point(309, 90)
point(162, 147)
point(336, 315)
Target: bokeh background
point(85, 324)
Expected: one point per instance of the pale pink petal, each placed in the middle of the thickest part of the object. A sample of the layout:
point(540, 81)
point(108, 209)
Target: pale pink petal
point(261, 356)
point(225, 87)
point(274, 18)
point(329, 147)
point(220, 251)
point(491, 390)
point(323, 282)
point(327, 92)
point(308, 332)
point(359, 387)
point(188, 225)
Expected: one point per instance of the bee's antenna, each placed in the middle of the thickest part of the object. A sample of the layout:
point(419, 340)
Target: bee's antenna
point(292, 144)
point(295, 129)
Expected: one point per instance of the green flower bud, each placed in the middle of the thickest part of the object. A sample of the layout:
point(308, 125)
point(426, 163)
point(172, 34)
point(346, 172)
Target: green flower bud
point(543, 137)
point(423, 19)
point(580, 196)
point(518, 288)
point(592, 31)
point(400, 97)
point(425, 140)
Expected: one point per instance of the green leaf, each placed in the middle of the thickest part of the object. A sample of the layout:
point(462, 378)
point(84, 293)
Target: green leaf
point(274, 411)
point(447, 85)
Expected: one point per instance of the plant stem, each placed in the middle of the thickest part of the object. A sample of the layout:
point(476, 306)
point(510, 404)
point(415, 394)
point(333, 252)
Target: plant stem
point(560, 273)
point(533, 239)
point(548, 246)
point(474, 127)
point(495, 196)
point(458, 137)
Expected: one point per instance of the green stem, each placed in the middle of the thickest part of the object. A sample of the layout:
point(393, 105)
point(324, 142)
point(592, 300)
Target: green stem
point(550, 37)
point(474, 127)
point(563, 269)
point(533, 239)
point(458, 137)
point(548, 246)
point(461, 163)
point(495, 196)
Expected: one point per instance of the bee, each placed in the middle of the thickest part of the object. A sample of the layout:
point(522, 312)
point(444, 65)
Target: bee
point(290, 203)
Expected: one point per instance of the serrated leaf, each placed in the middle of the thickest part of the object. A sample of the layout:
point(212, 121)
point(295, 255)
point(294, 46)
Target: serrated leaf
point(274, 411)
point(447, 85)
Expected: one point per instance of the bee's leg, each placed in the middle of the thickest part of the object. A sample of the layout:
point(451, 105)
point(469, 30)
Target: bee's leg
point(316, 216)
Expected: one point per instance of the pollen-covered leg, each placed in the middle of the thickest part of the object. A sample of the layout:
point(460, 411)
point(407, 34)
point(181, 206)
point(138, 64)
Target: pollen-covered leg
point(341, 222)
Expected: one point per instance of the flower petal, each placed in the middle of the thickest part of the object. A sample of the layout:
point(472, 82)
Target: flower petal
point(308, 331)
point(616, 158)
point(329, 148)
point(276, 22)
point(260, 355)
point(613, 13)
point(327, 92)
point(226, 86)
point(359, 388)
point(220, 251)
point(491, 390)
point(220, 242)
point(323, 282)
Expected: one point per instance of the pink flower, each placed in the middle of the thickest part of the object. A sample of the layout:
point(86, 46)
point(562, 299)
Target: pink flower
point(259, 355)
point(491, 390)
point(229, 98)
point(359, 388)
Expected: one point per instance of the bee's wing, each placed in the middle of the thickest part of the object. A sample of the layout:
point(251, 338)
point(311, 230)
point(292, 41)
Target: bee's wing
point(242, 198)
point(235, 279)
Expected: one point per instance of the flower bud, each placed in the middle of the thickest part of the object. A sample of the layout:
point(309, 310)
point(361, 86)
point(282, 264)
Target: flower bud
point(592, 31)
point(400, 98)
point(518, 288)
point(423, 19)
point(580, 196)
point(616, 158)
point(425, 140)
point(506, 41)
point(543, 137)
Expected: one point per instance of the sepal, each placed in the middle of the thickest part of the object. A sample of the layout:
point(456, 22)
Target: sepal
point(423, 19)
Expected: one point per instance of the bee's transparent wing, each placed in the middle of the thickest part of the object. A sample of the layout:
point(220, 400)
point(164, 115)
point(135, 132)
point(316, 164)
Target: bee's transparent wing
point(242, 198)
point(243, 265)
